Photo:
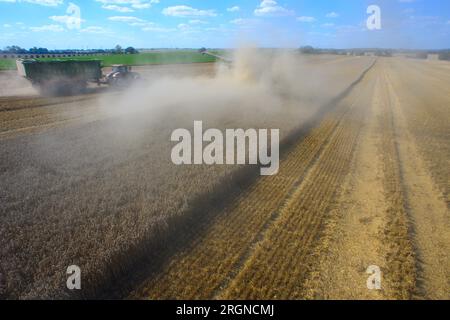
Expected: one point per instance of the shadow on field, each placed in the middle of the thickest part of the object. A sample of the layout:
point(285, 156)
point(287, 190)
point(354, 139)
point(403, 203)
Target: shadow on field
point(148, 258)
point(73, 91)
point(9, 103)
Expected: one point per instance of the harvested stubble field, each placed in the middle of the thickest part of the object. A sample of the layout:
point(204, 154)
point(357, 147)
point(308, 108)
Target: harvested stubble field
point(363, 181)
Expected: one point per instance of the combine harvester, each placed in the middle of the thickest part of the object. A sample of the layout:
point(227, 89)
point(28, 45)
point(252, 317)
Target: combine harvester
point(66, 77)
point(204, 51)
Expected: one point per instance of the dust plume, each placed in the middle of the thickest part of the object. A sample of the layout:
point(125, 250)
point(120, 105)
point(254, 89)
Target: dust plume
point(11, 84)
point(260, 84)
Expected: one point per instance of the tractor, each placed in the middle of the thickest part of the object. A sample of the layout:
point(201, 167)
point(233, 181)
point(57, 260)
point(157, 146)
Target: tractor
point(121, 76)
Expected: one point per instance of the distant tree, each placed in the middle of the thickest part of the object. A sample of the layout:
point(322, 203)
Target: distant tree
point(444, 55)
point(383, 53)
point(38, 50)
point(131, 50)
point(118, 49)
point(307, 50)
point(421, 55)
point(15, 50)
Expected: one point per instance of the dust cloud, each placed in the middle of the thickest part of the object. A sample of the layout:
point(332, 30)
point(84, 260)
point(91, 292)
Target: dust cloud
point(259, 85)
point(11, 84)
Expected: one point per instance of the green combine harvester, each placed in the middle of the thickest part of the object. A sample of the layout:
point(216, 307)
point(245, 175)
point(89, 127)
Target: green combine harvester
point(66, 77)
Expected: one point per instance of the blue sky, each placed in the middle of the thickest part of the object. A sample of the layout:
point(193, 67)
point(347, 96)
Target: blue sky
point(56, 24)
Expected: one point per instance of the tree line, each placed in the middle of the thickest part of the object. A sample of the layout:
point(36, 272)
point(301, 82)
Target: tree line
point(35, 50)
point(419, 54)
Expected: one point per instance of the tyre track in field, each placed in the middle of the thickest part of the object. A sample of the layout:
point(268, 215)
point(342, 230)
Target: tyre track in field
point(278, 267)
point(371, 223)
point(435, 75)
point(426, 112)
point(208, 267)
point(400, 255)
point(425, 207)
point(351, 241)
point(230, 238)
point(32, 102)
point(389, 213)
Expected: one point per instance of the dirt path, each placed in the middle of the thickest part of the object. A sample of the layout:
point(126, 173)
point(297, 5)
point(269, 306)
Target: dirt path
point(427, 208)
point(352, 238)
point(390, 213)
point(370, 226)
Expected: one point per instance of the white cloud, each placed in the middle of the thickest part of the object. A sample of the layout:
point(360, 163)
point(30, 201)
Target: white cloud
point(47, 3)
point(244, 22)
point(195, 21)
point(46, 28)
point(425, 21)
point(239, 21)
point(95, 30)
point(348, 29)
point(271, 8)
point(332, 15)
point(127, 19)
point(233, 9)
point(66, 19)
point(122, 5)
point(186, 11)
point(188, 29)
point(306, 19)
point(143, 24)
point(183, 26)
point(6, 25)
point(117, 8)
point(153, 28)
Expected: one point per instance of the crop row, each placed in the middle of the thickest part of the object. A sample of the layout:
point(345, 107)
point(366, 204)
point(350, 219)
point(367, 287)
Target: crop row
point(279, 265)
point(400, 255)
